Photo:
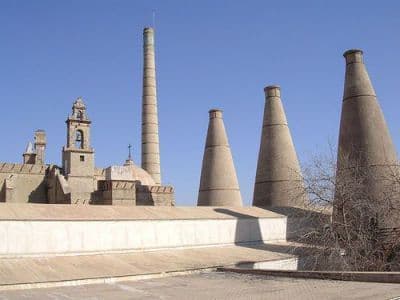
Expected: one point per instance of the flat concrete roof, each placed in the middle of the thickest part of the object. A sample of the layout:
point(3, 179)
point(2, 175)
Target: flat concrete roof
point(60, 212)
point(54, 270)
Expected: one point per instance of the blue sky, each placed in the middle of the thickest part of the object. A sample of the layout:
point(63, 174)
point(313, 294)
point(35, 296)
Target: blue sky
point(209, 54)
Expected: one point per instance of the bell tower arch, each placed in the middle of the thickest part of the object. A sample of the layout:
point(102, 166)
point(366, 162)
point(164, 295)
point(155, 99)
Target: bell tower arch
point(78, 155)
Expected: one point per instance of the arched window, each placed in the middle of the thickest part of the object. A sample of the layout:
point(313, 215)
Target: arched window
point(79, 139)
point(80, 115)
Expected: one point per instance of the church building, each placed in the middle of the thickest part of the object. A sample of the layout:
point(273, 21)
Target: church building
point(78, 180)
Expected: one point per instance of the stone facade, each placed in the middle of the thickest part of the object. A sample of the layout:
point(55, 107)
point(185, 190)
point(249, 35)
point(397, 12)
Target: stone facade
point(23, 181)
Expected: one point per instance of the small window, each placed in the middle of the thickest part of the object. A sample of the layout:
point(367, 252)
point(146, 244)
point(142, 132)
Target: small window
point(82, 157)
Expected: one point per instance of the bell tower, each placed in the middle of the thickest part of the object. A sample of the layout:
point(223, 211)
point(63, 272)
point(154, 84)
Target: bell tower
point(78, 155)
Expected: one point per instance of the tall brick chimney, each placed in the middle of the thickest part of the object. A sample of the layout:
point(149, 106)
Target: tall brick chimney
point(150, 139)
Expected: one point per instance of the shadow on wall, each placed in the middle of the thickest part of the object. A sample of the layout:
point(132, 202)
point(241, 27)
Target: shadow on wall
point(300, 222)
point(39, 194)
point(247, 228)
point(3, 193)
point(304, 254)
point(144, 197)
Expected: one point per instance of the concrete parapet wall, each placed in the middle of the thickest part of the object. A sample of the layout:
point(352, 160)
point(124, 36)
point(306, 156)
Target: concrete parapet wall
point(152, 228)
point(300, 222)
point(276, 264)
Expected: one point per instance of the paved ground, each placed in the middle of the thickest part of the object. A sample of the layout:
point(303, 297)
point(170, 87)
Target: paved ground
point(215, 286)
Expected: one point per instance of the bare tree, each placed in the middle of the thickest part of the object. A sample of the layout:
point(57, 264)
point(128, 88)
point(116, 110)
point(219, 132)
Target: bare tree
point(350, 225)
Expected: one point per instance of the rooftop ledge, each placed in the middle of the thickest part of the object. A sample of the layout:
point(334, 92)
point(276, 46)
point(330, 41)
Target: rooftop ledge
point(61, 212)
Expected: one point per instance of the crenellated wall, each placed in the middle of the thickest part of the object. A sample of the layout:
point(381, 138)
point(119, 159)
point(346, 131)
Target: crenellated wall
point(26, 183)
point(99, 174)
point(155, 195)
point(124, 192)
point(117, 192)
